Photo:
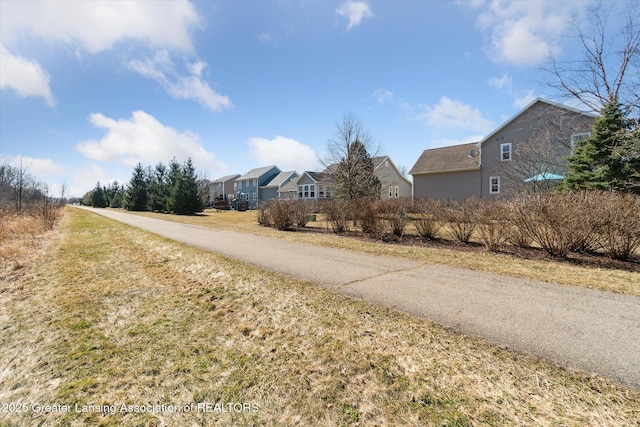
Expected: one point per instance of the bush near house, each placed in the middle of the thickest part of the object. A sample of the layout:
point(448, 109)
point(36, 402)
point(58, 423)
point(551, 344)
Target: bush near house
point(559, 223)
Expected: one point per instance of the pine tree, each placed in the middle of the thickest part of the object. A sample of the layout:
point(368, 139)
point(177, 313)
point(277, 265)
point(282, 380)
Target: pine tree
point(185, 198)
point(158, 188)
point(136, 195)
point(602, 161)
point(354, 177)
point(98, 199)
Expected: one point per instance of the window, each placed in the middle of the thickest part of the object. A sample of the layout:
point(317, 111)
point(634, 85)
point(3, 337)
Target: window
point(312, 189)
point(235, 185)
point(505, 152)
point(300, 191)
point(255, 182)
point(397, 192)
point(306, 191)
point(390, 191)
point(578, 137)
point(494, 185)
point(254, 196)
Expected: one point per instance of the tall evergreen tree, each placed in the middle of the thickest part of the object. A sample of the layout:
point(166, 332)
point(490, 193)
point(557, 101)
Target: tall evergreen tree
point(185, 197)
point(606, 160)
point(136, 195)
point(158, 188)
point(98, 199)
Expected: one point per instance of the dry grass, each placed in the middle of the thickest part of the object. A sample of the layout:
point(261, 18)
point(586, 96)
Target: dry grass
point(546, 270)
point(112, 314)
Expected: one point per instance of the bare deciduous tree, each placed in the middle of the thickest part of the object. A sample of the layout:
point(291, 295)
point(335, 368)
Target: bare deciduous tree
point(610, 67)
point(349, 160)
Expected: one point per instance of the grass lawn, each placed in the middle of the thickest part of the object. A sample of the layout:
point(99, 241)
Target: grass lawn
point(108, 314)
point(574, 273)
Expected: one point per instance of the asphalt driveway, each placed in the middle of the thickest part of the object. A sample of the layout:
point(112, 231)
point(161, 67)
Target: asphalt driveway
point(580, 328)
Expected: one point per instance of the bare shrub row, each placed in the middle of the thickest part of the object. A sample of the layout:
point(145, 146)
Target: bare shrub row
point(559, 223)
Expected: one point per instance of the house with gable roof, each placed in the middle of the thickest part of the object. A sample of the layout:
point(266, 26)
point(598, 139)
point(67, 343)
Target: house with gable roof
point(247, 186)
point(526, 150)
point(273, 188)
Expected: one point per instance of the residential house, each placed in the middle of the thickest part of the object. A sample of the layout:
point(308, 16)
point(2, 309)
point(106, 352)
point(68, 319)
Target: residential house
point(272, 189)
point(223, 189)
point(317, 185)
point(526, 153)
point(248, 185)
point(394, 185)
point(314, 186)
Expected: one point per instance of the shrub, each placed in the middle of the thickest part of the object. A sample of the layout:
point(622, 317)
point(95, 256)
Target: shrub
point(396, 213)
point(337, 214)
point(620, 230)
point(545, 217)
point(365, 212)
point(461, 218)
point(264, 214)
point(301, 211)
point(493, 224)
point(428, 217)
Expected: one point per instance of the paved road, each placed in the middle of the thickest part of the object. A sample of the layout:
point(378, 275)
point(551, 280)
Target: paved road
point(584, 329)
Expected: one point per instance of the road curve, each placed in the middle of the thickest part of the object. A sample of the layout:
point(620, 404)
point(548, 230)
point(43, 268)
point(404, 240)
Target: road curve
point(579, 328)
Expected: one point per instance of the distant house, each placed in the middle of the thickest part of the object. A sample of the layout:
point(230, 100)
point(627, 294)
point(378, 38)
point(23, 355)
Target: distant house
point(248, 185)
point(394, 185)
point(272, 189)
point(313, 186)
point(527, 152)
point(317, 185)
point(223, 189)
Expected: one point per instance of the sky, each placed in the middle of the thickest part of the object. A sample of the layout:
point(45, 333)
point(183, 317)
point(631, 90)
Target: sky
point(89, 88)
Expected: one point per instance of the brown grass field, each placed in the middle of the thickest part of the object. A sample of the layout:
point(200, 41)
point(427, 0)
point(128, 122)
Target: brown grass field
point(105, 314)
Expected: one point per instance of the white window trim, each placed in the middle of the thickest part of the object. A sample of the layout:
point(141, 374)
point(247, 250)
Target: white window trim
point(491, 178)
point(390, 191)
point(578, 137)
point(506, 144)
point(397, 192)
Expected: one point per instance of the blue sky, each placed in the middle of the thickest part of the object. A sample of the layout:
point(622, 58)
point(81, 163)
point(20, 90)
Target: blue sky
point(88, 89)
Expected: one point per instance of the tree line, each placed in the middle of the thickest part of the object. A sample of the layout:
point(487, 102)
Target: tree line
point(172, 188)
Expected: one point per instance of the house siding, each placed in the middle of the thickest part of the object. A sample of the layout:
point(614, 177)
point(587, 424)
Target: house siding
point(390, 177)
point(447, 185)
point(541, 122)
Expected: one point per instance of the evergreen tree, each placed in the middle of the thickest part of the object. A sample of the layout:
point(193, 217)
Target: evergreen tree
point(353, 177)
point(98, 199)
point(158, 188)
point(184, 198)
point(606, 159)
point(136, 195)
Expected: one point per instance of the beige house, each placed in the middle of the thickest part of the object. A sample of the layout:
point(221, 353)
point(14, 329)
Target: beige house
point(317, 185)
point(527, 153)
point(394, 185)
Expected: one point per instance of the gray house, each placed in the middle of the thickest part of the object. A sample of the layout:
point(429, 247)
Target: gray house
point(314, 186)
point(526, 153)
point(223, 189)
point(248, 185)
point(272, 189)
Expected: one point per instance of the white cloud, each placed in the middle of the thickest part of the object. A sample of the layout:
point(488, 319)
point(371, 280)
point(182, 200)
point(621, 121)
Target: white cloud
point(191, 86)
point(524, 100)
point(24, 76)
point(453, 114)
point(382, 95)
point(355, 12)
point(98, 25)
point(286, 153)
point(144, 139)
point(523, 33)
point(39, 168)
point(501, 83)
